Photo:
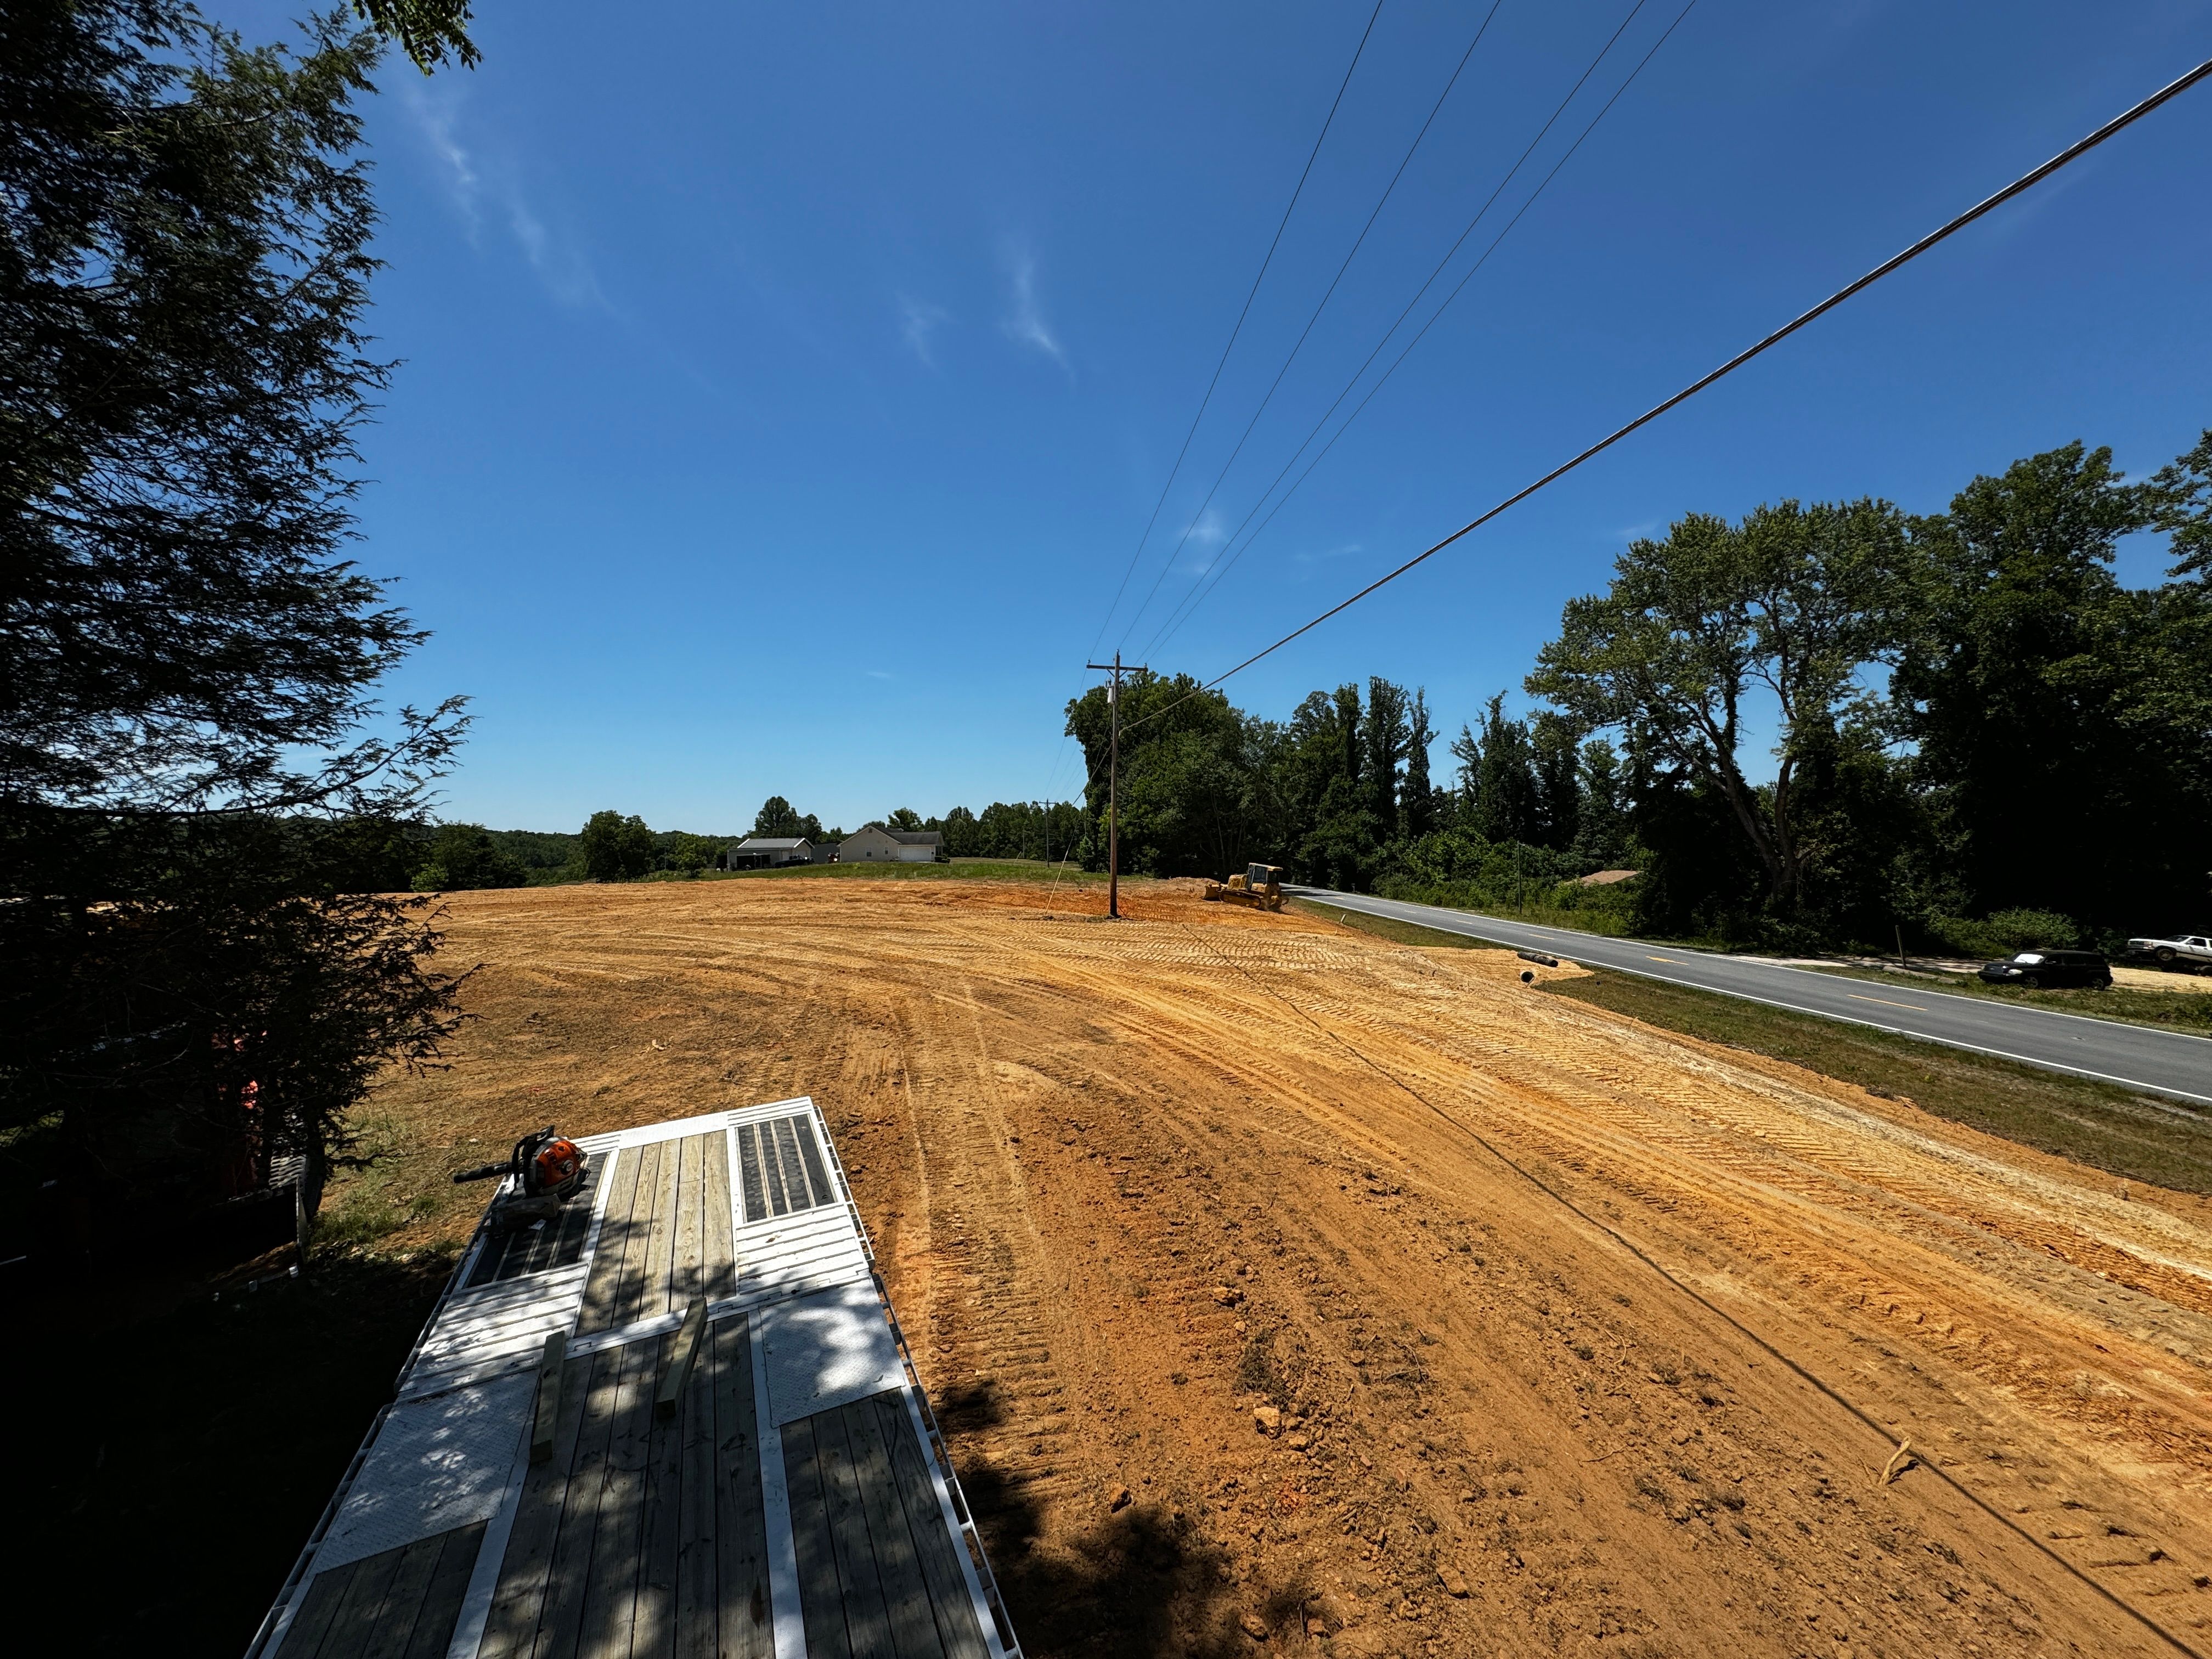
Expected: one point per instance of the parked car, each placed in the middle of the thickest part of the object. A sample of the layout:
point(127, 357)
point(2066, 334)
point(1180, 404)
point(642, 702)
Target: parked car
point(2038, 969)
point(2181, 948)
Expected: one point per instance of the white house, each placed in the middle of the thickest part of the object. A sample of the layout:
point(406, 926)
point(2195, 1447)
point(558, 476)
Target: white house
point(766, 852)
point(876, 846)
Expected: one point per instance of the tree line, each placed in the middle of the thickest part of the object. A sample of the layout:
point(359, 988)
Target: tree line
point(1982, 737)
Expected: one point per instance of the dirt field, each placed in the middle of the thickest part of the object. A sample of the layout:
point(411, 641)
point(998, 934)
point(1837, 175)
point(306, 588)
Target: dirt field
point(1285, 1289)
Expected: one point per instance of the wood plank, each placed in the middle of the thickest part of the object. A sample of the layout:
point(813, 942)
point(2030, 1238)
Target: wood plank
point(511, 1627)
point(606, 1260)
point(311, 1622)
point(632, 1300)
point(653, 1631)
point(569, 1573)
point(718, 1274)
point(906, 1594)
point(449, 1588)
point(821, 1597)
point(403, 1601)
point(747, 1629)
point(660, 1255)
point(545, 1406)
point(676, 1372)
point(867, 1621)
point(689, 1282)
point(694, 1615)
point(611, 1593)
point(935, 1545)
point(355, 1625)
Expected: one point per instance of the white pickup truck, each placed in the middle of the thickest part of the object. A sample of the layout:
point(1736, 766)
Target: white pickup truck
point(2196, 948)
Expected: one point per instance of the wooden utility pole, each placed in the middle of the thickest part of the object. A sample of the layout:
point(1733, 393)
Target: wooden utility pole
point(1114, 779)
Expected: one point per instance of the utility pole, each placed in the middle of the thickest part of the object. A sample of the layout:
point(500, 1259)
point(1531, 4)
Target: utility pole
point(1114, 779)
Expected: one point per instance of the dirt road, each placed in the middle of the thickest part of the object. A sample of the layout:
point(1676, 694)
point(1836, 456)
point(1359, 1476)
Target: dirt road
point(1283, 1288)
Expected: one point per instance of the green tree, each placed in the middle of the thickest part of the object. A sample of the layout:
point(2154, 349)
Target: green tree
point(188, 807)
point(1601, 830)
point(1508, 802)
point(425, 29)
point(1387, 736)
point(1795, 601)
point(463, 856)
point(1417, 798)
point(777, 818)
point(614, 848)
point(905, 819)
point(2062, 725)
point(2180, 501)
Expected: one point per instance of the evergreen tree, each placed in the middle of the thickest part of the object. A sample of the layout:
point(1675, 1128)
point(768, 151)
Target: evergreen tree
point(1417, 805)
point(1387, 737)
point(188, 805)
point(1507, 798)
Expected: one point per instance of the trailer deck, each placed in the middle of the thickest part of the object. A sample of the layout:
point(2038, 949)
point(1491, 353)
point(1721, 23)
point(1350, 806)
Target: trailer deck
point(723, 1450)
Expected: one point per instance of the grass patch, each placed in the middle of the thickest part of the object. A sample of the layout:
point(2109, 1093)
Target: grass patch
point(2159, 1141)
point(2169, 1010)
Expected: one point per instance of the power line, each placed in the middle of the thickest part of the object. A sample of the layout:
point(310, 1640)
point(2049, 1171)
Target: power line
point(1358, 243)
point(1357, 51)
point(2073, 152)
point(1199, 594)
point(1203, 588)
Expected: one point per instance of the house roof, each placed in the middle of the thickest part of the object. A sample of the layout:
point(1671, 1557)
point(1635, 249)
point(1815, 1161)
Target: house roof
point(916, 837)
point(773, 843)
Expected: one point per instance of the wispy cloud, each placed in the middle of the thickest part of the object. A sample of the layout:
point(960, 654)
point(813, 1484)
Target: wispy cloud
point(1208, 529)
point(1024, 323)
point(878, 674)
point(480, 188)
point(1322, 556)
point(433, 118)
point(918, 321)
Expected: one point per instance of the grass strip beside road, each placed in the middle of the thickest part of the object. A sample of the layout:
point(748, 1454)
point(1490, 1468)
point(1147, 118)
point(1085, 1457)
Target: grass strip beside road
point(2157, 1141)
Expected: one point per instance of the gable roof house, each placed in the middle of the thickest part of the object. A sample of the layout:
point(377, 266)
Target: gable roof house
point(876, 845)
point(767, 852)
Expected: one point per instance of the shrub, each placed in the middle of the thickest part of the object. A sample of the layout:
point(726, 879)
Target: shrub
point(2005, 931)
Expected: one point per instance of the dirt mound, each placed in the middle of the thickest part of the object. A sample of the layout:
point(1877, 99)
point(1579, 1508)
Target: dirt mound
point(1280, 1287)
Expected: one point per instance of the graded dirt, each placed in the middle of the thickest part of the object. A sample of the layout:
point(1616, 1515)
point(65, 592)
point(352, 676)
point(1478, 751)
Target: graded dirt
point(1285, 1290)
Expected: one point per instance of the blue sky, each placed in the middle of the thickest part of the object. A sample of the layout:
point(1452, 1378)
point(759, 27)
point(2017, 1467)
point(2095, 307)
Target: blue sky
point(786, 389)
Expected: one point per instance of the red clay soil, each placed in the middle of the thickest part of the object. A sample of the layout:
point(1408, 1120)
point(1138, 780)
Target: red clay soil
point(1285, 1290)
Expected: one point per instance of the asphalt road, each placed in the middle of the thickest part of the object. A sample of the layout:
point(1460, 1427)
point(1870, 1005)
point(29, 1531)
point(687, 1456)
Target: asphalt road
point(2134, 1056)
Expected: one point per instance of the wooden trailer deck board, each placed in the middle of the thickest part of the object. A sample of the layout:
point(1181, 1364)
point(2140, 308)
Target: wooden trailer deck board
point(796, 1500)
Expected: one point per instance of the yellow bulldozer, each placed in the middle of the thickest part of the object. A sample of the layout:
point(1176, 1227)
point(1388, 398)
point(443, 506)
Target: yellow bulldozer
point(1259, 888)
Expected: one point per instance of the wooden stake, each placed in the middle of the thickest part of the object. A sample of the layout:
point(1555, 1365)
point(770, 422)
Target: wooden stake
point(552, 1372)
point(680, 1356)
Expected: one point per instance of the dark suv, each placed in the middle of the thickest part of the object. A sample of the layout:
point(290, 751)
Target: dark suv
point(2037, 969)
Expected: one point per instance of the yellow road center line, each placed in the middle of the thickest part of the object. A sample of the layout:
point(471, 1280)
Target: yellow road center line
point(1669, 961)
point(1885, 1002)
